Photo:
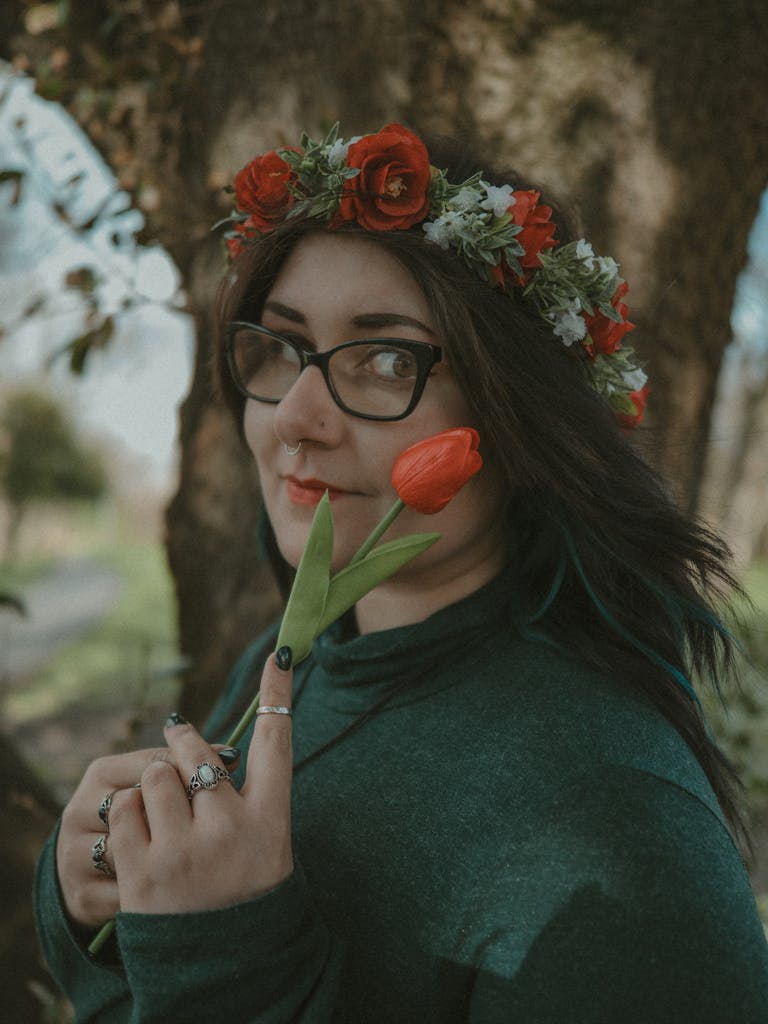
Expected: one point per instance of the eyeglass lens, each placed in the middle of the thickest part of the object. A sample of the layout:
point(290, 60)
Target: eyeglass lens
point(371, 377)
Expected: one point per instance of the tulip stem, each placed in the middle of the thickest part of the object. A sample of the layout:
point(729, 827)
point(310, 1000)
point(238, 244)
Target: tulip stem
point(378, 530)
point(101, 937)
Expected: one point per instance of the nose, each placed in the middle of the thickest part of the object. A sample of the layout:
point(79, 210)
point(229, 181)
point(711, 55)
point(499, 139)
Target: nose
point(308, 412)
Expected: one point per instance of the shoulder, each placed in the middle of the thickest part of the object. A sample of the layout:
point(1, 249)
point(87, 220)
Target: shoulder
point(541, 707)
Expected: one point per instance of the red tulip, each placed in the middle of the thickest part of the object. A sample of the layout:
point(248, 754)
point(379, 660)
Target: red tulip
point(429, 473)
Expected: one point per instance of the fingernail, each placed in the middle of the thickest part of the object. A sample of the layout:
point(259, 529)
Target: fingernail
point(175, 719)
point(229, 755)
point(283, 658)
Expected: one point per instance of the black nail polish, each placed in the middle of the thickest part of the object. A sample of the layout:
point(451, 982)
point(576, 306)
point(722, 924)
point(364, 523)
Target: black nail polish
point(284, 657)
point(229, 755)
point(175, 719)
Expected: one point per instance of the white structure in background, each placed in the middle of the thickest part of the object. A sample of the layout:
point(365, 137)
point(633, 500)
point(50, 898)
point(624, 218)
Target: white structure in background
point(736, 482)
point(61, 211)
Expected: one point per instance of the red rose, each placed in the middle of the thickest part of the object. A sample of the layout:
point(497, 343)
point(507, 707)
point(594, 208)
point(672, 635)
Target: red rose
point(390, 192)
point(429, 473)
point(261, 189)
point(603, 334)
point(639, 398)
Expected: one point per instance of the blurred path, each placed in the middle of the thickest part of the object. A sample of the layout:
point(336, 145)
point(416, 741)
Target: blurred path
point(60, 608)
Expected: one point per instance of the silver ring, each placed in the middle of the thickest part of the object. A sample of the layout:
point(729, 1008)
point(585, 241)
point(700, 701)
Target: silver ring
point(104, 807)
point(206, 776)
point(274, 709)
point(292, 450)
point(98, 856)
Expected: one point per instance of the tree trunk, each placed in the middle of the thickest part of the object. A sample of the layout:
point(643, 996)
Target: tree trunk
point(27, 815)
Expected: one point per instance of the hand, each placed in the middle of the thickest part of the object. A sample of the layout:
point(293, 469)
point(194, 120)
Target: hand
point(173, 855)
point(91, 897)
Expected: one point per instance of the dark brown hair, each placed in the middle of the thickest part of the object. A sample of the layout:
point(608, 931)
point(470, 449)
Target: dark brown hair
point(594, 536)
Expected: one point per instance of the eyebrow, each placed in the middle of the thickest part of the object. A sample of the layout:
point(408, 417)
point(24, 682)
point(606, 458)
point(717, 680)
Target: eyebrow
point(363, 320)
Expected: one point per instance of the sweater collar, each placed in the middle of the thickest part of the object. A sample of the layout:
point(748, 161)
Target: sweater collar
point(359, 669)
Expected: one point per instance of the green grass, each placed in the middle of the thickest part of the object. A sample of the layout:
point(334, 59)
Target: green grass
point(742, 725)
point(121, 662)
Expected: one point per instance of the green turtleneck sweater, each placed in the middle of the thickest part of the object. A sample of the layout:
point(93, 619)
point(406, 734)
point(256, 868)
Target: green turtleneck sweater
point(510, 838)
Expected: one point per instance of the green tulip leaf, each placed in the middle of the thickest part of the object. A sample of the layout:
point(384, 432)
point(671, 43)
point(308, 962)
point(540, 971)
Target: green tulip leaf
point(357, 579)
point(310, 587)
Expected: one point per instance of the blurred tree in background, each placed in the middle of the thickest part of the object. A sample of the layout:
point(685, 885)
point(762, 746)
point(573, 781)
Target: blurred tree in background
point(41, 459)
point(649, 120)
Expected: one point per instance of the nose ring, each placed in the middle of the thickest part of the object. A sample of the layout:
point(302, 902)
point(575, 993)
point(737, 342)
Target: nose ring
point(292, 450)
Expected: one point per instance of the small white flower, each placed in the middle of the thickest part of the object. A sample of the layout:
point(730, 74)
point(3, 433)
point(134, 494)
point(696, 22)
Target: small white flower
point(635, 379)
point(569, 326)
point(337, 153)
point(607, 265)
point(584, 251)
point(438, 231)
point(498, 199)
point(465, 200)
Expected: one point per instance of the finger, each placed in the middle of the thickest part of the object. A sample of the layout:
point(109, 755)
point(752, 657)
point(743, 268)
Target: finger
point(129, 835)
point(105, 777)
point(166, 806)
point(102, 859)
point(270, 757)
point(198, 763)
point(229, 756)
point(90, 896)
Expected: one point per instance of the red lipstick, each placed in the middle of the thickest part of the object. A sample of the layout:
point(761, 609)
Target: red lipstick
point(309, 491)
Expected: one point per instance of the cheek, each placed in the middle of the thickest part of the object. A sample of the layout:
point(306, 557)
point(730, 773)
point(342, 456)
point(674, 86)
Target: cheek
point(256, 430)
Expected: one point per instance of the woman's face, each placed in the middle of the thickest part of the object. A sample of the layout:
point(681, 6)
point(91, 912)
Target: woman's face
point(326, 286)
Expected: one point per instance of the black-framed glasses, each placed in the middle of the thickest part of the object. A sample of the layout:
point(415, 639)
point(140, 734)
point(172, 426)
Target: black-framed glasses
point(373, 378)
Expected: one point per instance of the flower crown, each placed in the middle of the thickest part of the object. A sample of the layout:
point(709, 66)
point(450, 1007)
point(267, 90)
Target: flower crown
point(385, 182)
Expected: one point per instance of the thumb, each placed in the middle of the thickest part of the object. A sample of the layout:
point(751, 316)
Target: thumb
point(270, 756)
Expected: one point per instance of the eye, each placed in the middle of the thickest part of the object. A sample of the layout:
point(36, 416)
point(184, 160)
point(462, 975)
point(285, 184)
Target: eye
point(391, 363)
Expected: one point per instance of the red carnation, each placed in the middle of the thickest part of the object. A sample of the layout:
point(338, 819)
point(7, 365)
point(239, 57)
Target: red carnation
point(603, 334)
point(390, 192)
point(638, 398)
point(241, 233)
point(429, 473)
point(261, 190)
point(536, 234)
point(537, 228)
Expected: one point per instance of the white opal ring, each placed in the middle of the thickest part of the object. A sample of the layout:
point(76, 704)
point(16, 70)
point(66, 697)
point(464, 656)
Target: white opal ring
point(206, 776)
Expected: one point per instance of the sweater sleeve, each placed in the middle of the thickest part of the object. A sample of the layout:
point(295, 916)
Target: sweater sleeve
point(640, 911)
point(97, 989)
point(267, 961)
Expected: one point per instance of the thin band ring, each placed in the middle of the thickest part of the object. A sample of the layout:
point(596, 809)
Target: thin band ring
point(274, 709)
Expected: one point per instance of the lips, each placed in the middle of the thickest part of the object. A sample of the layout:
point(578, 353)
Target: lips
point(309, 491)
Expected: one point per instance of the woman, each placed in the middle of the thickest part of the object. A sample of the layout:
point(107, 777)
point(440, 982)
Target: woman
point(502, 801)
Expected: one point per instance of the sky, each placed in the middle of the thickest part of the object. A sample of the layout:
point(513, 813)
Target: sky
point(131, 388)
